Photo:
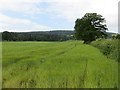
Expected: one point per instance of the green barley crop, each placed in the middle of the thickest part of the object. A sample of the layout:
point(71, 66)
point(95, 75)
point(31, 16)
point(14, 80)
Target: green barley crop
point(69, 64)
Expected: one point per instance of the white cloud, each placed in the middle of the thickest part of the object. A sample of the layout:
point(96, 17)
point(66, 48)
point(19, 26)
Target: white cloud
point(23, 6)
point(67, 9)
point(8, 23)
point(73, 9)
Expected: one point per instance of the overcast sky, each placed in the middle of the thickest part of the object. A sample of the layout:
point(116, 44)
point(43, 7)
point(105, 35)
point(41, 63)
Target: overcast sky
point(36, 15)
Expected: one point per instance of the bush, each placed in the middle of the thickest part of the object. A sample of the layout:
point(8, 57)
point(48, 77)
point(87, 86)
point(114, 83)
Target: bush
point(118, 36)
point(108, 47)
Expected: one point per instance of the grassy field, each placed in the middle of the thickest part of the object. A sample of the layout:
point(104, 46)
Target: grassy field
point(69, 64)
point(0, 65)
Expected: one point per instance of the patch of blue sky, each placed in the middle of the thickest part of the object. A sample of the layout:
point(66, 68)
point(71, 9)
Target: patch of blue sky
point(52, 20)
point(43, 5)
point(14, 14)
point(49, 19)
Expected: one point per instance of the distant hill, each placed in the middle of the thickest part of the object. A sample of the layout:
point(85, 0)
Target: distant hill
point(60, 32)
point(56, 35)
point(110, 34)
point(53, 35)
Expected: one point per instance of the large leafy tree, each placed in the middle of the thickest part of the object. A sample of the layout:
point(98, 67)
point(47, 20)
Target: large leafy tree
point(90, 27)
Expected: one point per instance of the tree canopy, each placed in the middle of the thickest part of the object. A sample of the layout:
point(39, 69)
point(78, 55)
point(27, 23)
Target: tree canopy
point(37, 36)
point(90, 27)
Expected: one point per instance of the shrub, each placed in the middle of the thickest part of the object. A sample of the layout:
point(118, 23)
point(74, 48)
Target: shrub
point(108, 47)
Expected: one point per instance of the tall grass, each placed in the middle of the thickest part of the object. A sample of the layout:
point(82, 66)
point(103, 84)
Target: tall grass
point(0, 64)
point(68, 64)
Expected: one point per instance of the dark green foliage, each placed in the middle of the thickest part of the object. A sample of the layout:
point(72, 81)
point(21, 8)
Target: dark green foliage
point(108, 47)
point(90, 27)
point(0, 36)
point(7, 36)
point(118, 36)
point(38, 36)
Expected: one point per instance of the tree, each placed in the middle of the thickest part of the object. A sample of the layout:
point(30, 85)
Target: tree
point(7, 36)
point(90, 27)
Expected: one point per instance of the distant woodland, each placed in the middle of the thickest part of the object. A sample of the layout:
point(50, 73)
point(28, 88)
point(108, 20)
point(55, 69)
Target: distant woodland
point(57, 35)
point(38, 36)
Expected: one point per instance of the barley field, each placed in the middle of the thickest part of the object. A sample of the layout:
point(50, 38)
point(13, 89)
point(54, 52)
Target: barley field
point(69, 64)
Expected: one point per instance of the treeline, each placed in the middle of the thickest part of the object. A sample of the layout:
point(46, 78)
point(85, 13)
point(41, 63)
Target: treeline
point(57, 35)
point(38, 36)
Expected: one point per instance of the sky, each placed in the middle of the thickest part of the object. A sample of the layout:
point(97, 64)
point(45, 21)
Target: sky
point(45, 15)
